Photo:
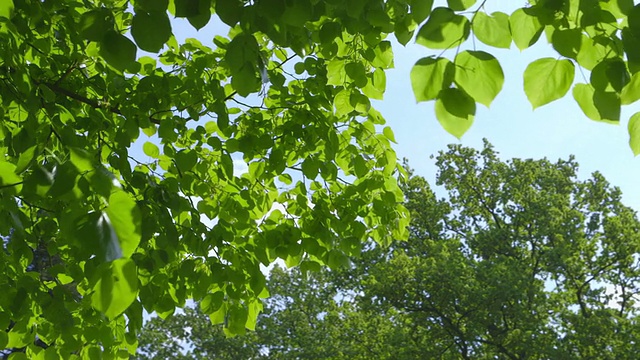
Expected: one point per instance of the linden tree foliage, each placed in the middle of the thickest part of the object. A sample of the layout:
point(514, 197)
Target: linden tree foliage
point(597, 36)
point(96, 234)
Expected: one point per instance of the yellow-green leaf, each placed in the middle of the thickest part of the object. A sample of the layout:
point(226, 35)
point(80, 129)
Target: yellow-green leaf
point(126, 220)
point(429, 76)
point(631, 91)
point(525, 28)
point(634, 133)
point(547, 79)
point(597, 105)
point(443, 30)
point(493, 30)
point(116, 288)
point(455, 111)
point(480, 75)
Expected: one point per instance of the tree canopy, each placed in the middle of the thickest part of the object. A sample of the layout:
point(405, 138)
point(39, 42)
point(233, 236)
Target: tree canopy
point(93, 235)
point(521, 260)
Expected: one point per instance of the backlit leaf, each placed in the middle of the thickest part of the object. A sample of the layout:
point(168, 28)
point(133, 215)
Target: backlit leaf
point(443, 30)
point(492, 29)
point(95, 23)
point(547, 79)
point(150, 149)
point(151, 30)
point(388, 133)
point(117, 50)
point(525, 29)
point(631, 91)
point(597, 105)
point(8, 177)
point(126, 220)
point(460, 5)
point(479, 74)
point(634, 133)
point(455, 111)
point(116, 288)
point(429, 76)
point(420, 9)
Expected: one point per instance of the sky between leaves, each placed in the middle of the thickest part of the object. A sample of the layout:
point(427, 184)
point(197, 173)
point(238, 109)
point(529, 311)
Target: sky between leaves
point(555, 130)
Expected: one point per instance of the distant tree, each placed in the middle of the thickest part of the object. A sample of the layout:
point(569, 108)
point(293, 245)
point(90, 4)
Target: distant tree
point(521, 260)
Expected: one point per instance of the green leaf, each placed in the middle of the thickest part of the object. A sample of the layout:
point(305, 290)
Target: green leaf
point(342, 103)
point(525, 29)
point(151, 30)
point(634, 133)
point(116, 288)
point(357, 73)
point(238, 316)
point(202, 16)
point(420, 10)
point(443, 30)
point(567, 42)
point(245, 80)
point(186, 160)
point(81, 159)
point(388, 133)
point(480, 75)
point(455, 111)
point(597, 105)
point(336, 73)
point(212, 302)
point(188, 8)
point(242, 58)
point(631, 91)
point(229, 11)
point(547, 79)
point(337, 259)
point(376, 84)
point(493, 30)
point(460, 5)
point(126, 220)
point(150, 149)
point(619, 8)
point(64, 179)
point(8, 177)
point(95, 24)
point(359, 102)
point(152, 5)
point(384, 55)
point(117, 50)
point(25, 159)
point(310, 168)
point(4, 340)
point(429, 76)
point(610, 75)
point(254, 309)
point(592, 52)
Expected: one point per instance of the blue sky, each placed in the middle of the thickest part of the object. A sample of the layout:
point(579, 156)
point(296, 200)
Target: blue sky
point(556, 130)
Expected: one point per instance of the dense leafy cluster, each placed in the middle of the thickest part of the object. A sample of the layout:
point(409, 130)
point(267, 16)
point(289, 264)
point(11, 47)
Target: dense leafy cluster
point(94, 234)
point(521, 260)
point(116, 234)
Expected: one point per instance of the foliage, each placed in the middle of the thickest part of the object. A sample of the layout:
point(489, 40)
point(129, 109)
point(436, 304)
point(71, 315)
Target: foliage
point(597, 36)
point(123, 233)
point(520, 261)
point(306, 317)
